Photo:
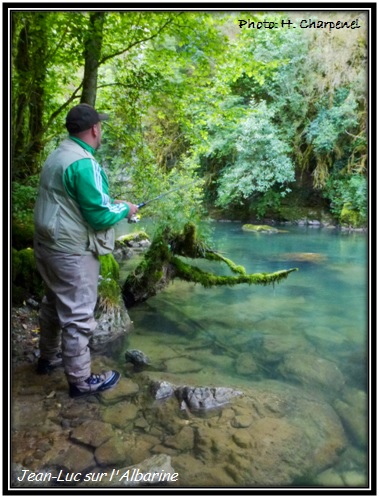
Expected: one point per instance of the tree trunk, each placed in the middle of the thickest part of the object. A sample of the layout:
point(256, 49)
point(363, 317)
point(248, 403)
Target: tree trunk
point(92, 54)
point(30, 73)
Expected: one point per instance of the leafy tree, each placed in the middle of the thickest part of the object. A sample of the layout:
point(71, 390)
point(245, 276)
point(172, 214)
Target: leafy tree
point(261, 160)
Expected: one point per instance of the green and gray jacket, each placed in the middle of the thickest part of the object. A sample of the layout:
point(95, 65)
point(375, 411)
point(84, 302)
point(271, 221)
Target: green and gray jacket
point(73, 211)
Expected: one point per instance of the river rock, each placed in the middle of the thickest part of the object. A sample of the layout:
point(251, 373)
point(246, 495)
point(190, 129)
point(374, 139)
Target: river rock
point(312, 370)
point(352, 409)
point(112, 452)
point(261, 228)
point(182, 441)
point(162, 389)
point(152, 469)
point(120, 414)
point(352, 478)
point(274, 347)
point(205, 398)
point(329, 478)
point(126, 388)
point(93, 433)
point(246, 365)
point(137, 358)
point(111, 326)
point(306, 257)
point(294, 434)
point(75, 459)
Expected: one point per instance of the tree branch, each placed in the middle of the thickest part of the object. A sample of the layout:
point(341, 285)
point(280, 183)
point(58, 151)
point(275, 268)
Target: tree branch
point(138, 42)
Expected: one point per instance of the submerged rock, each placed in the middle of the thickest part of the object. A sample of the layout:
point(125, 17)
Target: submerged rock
point(312, 370)
point(261, 228)
point(205, 398)
point(137, 358)
point(352, 409)
point(306, 257)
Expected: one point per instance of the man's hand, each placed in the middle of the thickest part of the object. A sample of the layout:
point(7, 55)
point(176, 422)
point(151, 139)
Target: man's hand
point(133, 208)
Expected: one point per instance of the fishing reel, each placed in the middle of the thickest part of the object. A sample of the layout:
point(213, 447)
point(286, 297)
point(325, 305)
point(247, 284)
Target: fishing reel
point(134, 219)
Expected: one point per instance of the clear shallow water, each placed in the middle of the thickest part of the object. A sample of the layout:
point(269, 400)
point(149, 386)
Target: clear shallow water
point(325, 302)
point(203, 335)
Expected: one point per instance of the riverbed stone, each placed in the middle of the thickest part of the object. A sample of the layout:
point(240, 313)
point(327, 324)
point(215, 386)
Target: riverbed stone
point(113, 452)
point(329, 478)
point(242, 438)
point(125, 388)
point(246, 364)
point(205, 398)
point(353, 478)
point(193, 472)
point(261, 228)
point(93, 433)
point(275, 346)
point(75, 459)
point(352, 409)
point(111, 325)
point(182, 441)
point(120, 414)
point(312, 370)
point(242, 421)
point(183, 365)
point(162, 389)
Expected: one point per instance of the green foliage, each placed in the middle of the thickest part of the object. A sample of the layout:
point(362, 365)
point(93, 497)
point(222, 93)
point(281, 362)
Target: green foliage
point(348, 198)
point(109, 296)
point(178, 86)
point(24, 195)
point(26, 280)
point(332, 122)
point(261, 160)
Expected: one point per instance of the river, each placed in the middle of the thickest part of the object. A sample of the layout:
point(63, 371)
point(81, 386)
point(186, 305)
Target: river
point(239, 335)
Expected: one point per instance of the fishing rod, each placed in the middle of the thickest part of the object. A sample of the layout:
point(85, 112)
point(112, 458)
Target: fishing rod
point(135, 218)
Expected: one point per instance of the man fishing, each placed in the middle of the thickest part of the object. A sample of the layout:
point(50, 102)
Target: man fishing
point(73, 217)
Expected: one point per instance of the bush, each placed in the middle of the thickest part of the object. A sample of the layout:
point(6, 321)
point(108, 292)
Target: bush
point(348, 198)
point(261, 161)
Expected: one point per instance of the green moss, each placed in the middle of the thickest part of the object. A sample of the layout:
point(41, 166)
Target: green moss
point(259, 228)
point(162, 264)
point(133, 237)
point(213, 256)
point(193, 274)
point(109, 268)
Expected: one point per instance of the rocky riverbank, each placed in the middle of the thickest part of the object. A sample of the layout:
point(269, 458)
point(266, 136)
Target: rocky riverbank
point(272, 434)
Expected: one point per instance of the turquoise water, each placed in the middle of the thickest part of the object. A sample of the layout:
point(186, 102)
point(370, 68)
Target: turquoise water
point(323, 304)
point(243, 335)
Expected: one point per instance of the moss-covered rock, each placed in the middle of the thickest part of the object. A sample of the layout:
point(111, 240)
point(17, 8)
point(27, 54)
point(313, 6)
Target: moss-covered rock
point(259, 228)
point(109, 268)
point(132, 237)
point(111, 315)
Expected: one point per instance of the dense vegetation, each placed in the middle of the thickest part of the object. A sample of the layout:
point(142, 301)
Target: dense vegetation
point(265, 119)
